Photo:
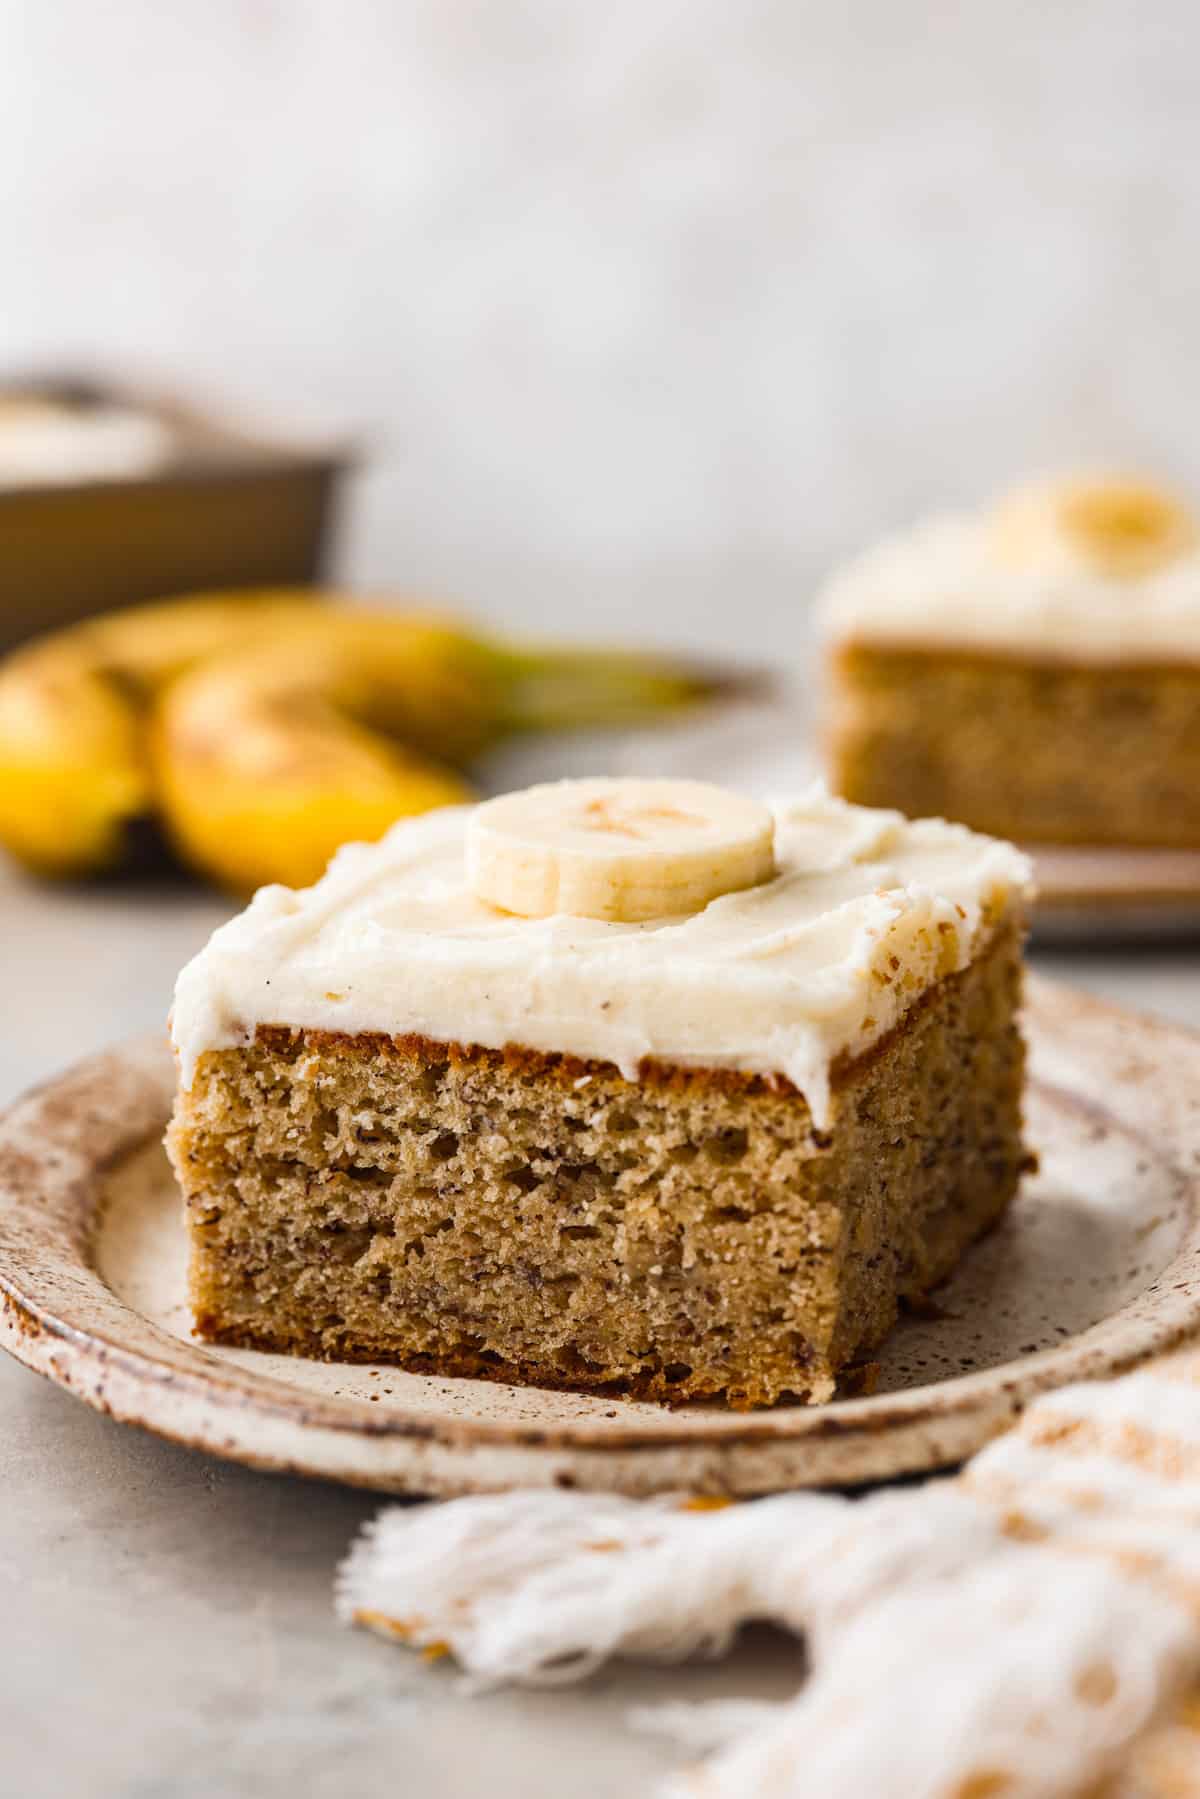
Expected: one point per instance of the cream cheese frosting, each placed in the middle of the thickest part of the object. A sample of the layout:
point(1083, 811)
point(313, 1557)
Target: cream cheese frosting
point(945, 584)
point(865, 911)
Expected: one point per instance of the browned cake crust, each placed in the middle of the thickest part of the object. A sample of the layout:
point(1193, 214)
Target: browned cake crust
point(1045, 752)
point(540, 1219)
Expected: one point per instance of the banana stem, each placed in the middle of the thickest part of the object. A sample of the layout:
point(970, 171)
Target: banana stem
point(544, 689)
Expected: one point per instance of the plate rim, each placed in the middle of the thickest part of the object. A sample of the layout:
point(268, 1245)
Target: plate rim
point(59, 1141)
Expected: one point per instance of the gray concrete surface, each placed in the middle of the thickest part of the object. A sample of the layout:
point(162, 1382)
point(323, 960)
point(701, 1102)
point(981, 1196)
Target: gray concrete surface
point(167, 1631)
point(168, 1634)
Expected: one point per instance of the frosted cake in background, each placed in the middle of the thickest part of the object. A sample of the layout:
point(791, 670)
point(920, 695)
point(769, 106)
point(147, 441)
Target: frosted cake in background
point(1032, 670)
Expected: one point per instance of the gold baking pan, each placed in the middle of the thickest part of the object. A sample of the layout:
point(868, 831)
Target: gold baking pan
point(222, 508)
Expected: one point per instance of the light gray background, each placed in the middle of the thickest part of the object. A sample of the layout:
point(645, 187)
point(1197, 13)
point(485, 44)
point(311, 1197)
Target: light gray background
point(649, 310)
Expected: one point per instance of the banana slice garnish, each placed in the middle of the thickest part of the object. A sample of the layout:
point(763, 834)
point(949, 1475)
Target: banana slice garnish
point(622, 850)
point(1112, 526)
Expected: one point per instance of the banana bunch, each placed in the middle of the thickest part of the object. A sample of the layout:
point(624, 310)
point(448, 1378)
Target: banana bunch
point(263, 730)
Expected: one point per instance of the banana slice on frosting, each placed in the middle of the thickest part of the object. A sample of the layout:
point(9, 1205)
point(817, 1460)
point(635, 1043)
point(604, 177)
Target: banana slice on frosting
point(1110, 525)
point(623, 850)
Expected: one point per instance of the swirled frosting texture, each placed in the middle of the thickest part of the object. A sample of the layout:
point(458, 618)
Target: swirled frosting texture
point(866, 911)
point(946, 584)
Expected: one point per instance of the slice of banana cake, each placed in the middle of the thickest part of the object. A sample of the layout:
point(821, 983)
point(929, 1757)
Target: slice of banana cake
point(630, 1085)
point(1031, 668)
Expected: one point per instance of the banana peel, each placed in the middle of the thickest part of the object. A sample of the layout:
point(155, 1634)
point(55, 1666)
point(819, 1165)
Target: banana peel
point(74, 771)
point(264, 730)
point(265, 763)
point(72, 765)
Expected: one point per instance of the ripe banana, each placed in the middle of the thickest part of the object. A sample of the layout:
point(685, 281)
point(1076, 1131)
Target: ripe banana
point(74, 774)
point(266, 762)
point(622, 850)
point(267, 730)
point(1111, 526)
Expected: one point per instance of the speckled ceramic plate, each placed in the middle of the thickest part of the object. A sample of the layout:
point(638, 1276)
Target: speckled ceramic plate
point(1096, 1267)
point(1101, 894)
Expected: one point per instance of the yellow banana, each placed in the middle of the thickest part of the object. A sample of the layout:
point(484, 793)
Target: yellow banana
point(145, 646)
point(267, 762)
point(266, 730)
point(74, 775)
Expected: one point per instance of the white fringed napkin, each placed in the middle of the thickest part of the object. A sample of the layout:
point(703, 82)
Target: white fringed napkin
point(1027, 1629)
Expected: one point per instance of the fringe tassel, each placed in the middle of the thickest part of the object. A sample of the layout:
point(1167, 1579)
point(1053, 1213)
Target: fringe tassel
point(1015, 1631)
